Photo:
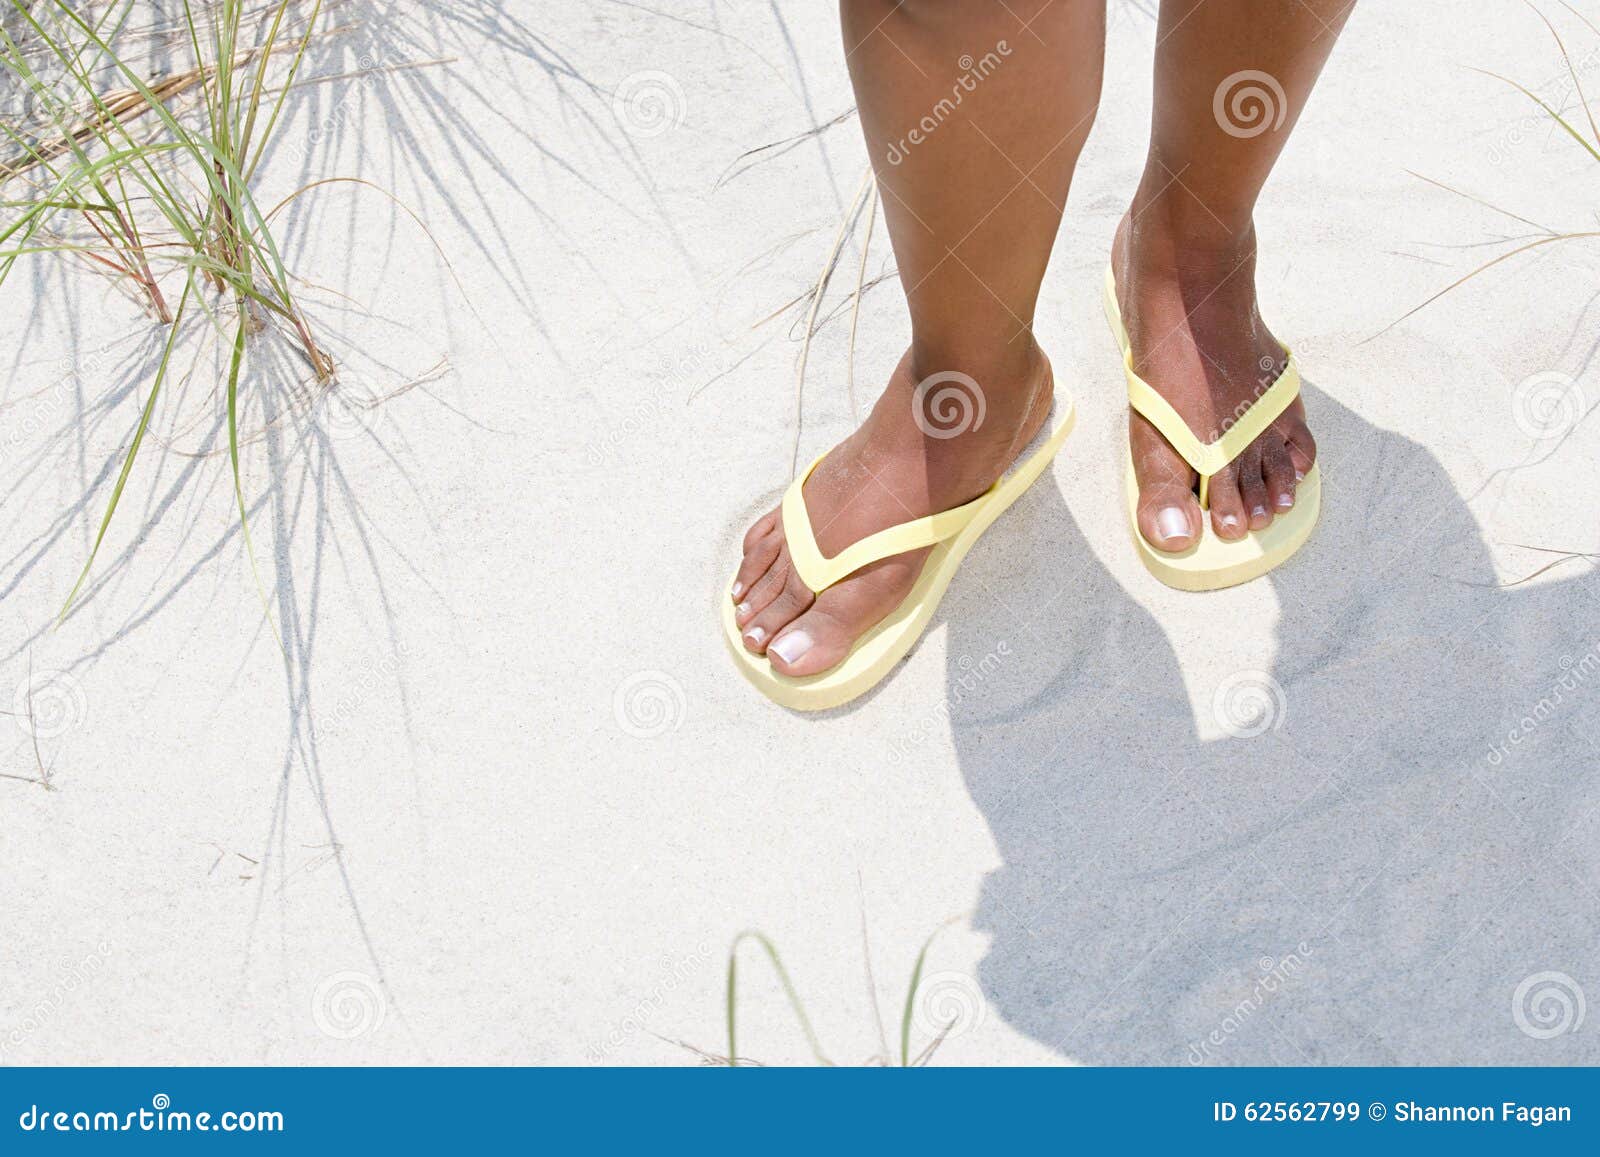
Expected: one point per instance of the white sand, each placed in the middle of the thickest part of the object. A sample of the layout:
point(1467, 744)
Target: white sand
point(471, 842)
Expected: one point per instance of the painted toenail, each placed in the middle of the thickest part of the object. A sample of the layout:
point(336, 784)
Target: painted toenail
point(1258, 511)
point(742, 609)
point(738, 589)
point(1299, 474)
point(1285, 501)
point(791, 646)
point(756, 634)
point(1172, 523)
point(1230, 521)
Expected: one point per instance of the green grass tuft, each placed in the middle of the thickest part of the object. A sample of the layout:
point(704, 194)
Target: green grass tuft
point(159, 205)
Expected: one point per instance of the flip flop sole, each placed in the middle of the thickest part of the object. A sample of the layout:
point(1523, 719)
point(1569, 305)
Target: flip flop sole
point(1213, 564)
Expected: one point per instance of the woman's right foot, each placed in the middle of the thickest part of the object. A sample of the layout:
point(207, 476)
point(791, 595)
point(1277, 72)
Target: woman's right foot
point(919, 452)
point(1198, 339)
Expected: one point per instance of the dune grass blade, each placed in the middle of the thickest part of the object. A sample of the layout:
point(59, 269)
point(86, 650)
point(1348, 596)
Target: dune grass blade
point(1577, 84)
point(788, 988)
point(846, 224)
point(133, 449)
point(120, 233)
point(1551, 236)
point(283, 91)
point(1490, 205)
point(1484, 268)
point(1550, 112)
point(911, 999)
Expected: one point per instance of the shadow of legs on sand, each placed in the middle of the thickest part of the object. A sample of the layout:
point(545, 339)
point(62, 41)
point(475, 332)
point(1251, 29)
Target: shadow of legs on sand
point(1369, 878)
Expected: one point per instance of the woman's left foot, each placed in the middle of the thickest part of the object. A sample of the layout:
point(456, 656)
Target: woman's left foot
point(1198, 339)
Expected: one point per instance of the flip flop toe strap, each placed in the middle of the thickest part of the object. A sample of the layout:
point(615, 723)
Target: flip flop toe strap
point(1243, 428)
point(820, 572)
point(1208, 458)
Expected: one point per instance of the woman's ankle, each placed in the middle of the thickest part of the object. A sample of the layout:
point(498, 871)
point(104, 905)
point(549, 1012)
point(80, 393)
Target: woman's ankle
point(998, 365)
point(1153, 251)
point(1170, 225)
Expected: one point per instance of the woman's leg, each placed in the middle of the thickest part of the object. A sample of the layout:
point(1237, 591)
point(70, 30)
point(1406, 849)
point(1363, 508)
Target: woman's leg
point(1231, 81)
point(974, 114)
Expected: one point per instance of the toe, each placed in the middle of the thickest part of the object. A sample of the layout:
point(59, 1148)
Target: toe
point(788, 605)
point(813, 643)
point(1169, 514)
point(1302, 446)
point(760, 552)
point(1227, 506)
point(816, 640)
point(765, 589)
point(760, 529)
point(824, 634)
point(1300, 460)
point(1277, 472)
point(1253, 488)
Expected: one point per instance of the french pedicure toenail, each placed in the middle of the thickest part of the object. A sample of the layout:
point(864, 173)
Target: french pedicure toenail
point(1285, 501)
point(1172, 523)
point(738, 589)
point(1258, 511)
point(742, 609)
point(756, 635)
point(791, 646)
point(1230, 521)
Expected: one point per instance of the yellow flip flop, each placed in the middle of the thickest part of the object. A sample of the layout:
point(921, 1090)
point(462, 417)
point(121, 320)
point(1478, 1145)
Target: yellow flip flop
point(951, 533)
point(1211, 563)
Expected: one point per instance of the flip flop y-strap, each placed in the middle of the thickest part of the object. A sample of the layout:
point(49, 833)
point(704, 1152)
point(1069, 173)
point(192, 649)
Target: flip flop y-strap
point(820, 572)
point(1208, 458)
